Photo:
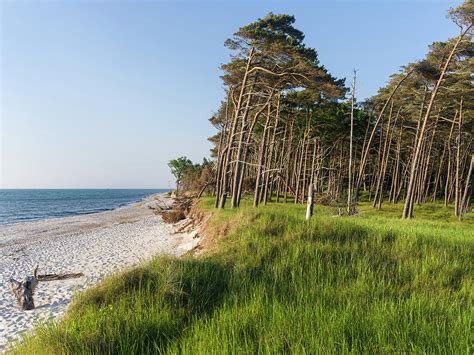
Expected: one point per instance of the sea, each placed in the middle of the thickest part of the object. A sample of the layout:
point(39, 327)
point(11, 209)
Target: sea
point(35, 204)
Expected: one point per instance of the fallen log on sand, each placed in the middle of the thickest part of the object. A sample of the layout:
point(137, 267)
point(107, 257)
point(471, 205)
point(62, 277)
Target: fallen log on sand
point(24, 291)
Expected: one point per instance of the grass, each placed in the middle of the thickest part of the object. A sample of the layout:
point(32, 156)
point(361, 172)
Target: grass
point(278, 284)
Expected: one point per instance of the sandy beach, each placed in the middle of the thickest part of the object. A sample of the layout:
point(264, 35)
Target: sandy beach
point(94, 244)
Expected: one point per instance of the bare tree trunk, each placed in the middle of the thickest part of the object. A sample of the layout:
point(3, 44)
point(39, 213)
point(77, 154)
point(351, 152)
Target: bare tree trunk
point(465, 201)
point(272, 148)
point(395, 177)
point(305, 169)
point(457, 189)
point(448, 173)
point(408, 208)
point(240, 151)
point(425, 184)
point(340, 170)
point(298, 171)
point(310, 205)
point(313, 161)
point(288, 160)
point(302, 161)
point(380, 175)
point(371, 137)
point(349, 188)
point(220, 154)
point(261, 158)
point(247, 143)
point(385, 161)
point(402, 183)
point(446, 146)
point(415, 139)
point(280, 167)
point(225, 185)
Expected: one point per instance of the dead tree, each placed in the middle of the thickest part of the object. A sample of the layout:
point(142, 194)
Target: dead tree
point(310, 205)
point(349, 189)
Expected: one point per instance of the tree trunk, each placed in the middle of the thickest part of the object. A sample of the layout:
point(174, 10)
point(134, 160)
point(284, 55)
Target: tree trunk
point(272, 149)
point(408, 208)
point(310, 204)
point(220, 154)
point(371, 137)
point(261, 158)
point(381, 173)
point(465, 200)
point(457, 189)
point(225, 184)
point(448, 173)
point(349, 187)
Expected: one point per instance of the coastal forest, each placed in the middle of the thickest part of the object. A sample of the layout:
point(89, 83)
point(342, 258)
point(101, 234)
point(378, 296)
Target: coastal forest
point(288, 129)
point(382, 263)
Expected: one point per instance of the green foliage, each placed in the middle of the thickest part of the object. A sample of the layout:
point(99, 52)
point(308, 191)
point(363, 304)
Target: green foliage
point(280, 58)
point(278, 284)
point(463, 15)
point(178, 167)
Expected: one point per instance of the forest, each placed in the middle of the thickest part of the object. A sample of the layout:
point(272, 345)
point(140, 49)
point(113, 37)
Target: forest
point(288, 130)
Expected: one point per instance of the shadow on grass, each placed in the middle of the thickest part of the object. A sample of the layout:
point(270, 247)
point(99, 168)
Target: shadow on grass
point(328, 265)
point(142, 310)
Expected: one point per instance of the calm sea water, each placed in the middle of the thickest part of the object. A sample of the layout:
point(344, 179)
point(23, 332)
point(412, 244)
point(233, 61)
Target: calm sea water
point(24, 205)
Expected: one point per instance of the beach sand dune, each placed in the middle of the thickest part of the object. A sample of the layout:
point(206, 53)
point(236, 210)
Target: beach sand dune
point(95, 244)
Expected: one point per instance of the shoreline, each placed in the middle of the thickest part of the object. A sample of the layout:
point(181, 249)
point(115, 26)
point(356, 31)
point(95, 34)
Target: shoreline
point(74, 214)
point(96, 244)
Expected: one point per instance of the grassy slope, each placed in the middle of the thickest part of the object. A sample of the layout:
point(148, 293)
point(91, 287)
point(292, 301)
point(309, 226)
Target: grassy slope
point(371, 283)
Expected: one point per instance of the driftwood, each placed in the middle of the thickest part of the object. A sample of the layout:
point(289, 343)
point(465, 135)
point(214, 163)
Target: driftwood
point(159, 207)
point(163, 205)
point(183, 203)
point(55, 277)
point(24, 290)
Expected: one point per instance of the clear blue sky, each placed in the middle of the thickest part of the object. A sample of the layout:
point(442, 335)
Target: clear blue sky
point(103, 93)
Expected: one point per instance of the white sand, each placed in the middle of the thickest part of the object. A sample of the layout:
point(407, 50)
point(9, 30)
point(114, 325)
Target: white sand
point(95, 244)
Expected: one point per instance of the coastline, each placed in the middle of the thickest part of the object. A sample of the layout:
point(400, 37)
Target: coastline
point(96, 244)
point(151, 195)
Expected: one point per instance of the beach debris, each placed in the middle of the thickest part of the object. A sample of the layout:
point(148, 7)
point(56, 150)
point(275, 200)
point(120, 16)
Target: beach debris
point(158, 206)
point(24, 290)
point(183, 203)
point(180, 209)
point(173, 216)
point(56, 277)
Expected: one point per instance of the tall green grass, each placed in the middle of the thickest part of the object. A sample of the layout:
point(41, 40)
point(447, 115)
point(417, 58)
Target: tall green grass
point(278, 284)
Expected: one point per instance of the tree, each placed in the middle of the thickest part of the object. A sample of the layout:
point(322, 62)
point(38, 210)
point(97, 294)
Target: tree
point(349, 189)
point(463, 16)
point(287, 129)
point(178, 167)
point(270, 60)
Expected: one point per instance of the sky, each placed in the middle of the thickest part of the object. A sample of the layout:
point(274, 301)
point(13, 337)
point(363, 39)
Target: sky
point(102, 94)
